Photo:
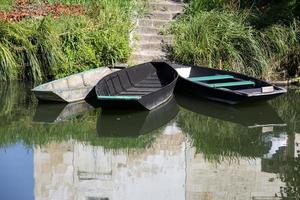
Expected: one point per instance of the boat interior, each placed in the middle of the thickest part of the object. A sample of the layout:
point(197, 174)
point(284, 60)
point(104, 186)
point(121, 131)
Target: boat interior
point(135, 82)
point(76, 81)
point(225, 80)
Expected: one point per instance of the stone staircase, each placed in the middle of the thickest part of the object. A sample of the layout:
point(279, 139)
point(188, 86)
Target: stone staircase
point(150, 43)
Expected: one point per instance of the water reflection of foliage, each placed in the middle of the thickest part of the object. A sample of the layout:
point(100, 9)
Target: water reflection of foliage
point(288, 107)
point(218, 139)
point(290, 174)
point(14, 101)
point(17, 107)
point(79, 129)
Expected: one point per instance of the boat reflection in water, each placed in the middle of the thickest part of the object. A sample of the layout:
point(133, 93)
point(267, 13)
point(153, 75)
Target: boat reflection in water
point(57, 112)
point(251, 116)
point(222, 130)
point(128, 123)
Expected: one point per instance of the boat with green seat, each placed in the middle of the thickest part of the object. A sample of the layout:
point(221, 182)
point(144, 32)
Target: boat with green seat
point(223, 86)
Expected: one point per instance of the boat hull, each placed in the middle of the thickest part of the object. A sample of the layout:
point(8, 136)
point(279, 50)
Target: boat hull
point(158, 77)
point(73, 88)
point(186, 86)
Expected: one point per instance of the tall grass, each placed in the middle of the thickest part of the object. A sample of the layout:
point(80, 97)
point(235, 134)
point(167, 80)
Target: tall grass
point(6, 4)
point(226, 40)
point(40, 49)
point(219, 39)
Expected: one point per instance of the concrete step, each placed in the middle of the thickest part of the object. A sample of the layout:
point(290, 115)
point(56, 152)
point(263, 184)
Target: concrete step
point(146, 57)
point(158, 15)
point(148, 30)
point(149, 53)
point(149, 46)
point(168, 1)
point(155, 38)
point(171, 7)
point(152, 23)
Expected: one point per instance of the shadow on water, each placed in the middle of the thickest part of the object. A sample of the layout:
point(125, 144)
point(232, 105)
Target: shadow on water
point(221, 131)
point(129, 123)
point(57, 112)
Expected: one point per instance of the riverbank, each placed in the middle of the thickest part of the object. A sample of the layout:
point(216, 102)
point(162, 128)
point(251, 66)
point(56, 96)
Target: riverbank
point(56, 38)
point(52, 43)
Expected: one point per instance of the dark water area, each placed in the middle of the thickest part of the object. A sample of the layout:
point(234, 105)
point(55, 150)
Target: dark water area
point(186, 149)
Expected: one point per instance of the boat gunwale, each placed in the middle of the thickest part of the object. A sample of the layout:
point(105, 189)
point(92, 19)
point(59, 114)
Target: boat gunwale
point(39, 87)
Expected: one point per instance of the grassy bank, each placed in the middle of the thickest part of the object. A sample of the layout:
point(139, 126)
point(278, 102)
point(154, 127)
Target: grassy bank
point(236, 35)
point(48, 47)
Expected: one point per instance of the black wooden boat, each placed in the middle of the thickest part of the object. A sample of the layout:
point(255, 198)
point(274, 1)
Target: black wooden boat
point(143, 86)
point(132, 123)
point(223, 86)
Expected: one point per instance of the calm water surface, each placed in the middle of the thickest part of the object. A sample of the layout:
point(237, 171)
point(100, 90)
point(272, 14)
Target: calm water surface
point(186, 149)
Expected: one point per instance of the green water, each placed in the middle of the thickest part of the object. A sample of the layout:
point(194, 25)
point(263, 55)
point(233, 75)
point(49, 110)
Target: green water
point(185, 149)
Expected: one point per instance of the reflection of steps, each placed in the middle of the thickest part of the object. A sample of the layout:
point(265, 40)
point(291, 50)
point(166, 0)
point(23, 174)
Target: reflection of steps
point(151, 43)
point(228, 179)
point(169, 169)
point(80, 171)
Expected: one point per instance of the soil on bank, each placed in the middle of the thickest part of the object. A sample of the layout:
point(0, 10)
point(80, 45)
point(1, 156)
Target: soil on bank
point(23, 9)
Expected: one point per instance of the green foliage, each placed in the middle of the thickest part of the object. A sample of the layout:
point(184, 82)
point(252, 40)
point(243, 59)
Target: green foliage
point(257, 37)
point(6, 4)
point(41, 49)
point(227, 40)
point(218, 37)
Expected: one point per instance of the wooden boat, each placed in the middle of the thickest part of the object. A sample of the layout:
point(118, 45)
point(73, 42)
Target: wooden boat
point(223, 86)
point(132, 123)
point(58, 112)
point(72, 88)
point(258, 115)
point(143, 86)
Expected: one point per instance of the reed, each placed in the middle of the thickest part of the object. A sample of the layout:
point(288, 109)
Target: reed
point(225, 39)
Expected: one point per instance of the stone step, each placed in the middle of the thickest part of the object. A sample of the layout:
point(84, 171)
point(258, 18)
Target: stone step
point(168, 1)
point(147, 57)
point(152, 23)
point(149, 53)
point(155, 38)
point(161, 15)
point(148, 30)
point(171, 7)
point(149, 46)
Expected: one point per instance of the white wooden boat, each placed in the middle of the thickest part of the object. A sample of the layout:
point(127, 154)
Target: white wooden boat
point(71, 88)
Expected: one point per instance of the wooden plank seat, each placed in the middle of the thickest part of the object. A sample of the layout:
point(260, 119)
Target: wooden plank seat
point(120, 97)
point(210, 78)
point(230, 84)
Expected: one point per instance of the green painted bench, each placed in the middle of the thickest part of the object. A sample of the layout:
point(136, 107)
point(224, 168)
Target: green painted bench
point(119, 97)
point(229, 84)
point(210, 78)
